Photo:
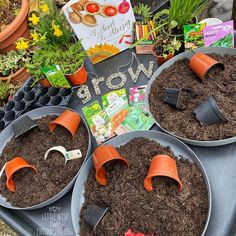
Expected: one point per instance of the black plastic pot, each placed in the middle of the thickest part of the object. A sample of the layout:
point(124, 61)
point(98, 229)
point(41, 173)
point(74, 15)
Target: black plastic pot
point(173, 96)
point(209, 113)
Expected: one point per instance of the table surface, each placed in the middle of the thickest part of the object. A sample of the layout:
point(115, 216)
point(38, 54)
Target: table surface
point(219, 162)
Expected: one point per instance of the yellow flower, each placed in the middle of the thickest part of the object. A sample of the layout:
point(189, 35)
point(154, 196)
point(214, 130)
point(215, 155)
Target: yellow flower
point(43, 37)
point(34, 19)
point(35, 36)
point(57, 31)
point(21, 44)
point(44, 8)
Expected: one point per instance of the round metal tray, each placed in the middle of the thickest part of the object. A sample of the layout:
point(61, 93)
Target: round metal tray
point(189, 54)
point(7, 134)
point(178, 147)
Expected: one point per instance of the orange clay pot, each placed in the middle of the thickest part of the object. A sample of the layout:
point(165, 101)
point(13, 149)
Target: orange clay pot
point(19, 77)
point(101, 156)
point(12, 167)
point(162, 165)
point(70, 120)
point(160, 59)
point(200, 64)
point(17, 29)
point(79, 77)
point(45, 83)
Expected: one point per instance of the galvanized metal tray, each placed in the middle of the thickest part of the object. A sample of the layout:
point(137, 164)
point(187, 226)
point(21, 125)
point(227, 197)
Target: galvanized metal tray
point(178, 147)
point(7, 134)
point(189, 54)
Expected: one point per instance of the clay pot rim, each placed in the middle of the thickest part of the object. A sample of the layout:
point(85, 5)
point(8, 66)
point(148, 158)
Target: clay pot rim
point(12, 76)
point(76, 71)
point(16, 22)
point(93, 13)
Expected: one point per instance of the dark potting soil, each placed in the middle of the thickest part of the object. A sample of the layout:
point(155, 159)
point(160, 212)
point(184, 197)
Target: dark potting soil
point(52, 174)
point(8, 12)
point(221, 84)
point(163, 211)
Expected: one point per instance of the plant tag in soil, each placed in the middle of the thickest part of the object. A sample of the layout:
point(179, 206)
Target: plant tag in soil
point(98, 121)
point(56, 76)
point(220, 35)
point(193, 36)
point(3, 169)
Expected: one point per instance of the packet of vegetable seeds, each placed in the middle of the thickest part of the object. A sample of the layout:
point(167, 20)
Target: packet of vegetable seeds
point(98, 122)
point(220, 35)
point(55, 76)
point(193, 36)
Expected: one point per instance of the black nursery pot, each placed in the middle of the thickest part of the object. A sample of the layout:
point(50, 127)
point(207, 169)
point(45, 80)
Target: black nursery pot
point(174, 97)
point(209, 113)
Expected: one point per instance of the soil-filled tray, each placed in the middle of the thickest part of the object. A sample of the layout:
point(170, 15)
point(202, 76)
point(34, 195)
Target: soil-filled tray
point(54, 177)
point(183, 123)
point(162, 211)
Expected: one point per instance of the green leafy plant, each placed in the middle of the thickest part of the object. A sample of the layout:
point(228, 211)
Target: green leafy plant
point(69, 61)
point(12, 61)
point(166, 45)
point(143, 10)
point(7, 89)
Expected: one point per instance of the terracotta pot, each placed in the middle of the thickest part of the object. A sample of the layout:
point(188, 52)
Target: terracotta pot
point(101, 156)
point(70, 120)
point(160, 59)
point(200, 64)
point(162, 165)
point(12, 167)
point(17, 29)
point(19, 77)
point(79, 77)
point(45, 82)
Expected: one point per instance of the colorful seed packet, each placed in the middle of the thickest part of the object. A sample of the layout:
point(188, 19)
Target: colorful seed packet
point(55, 76)
point(220, 35)
point(137, 96)
point(193, 36)
point(98, 122)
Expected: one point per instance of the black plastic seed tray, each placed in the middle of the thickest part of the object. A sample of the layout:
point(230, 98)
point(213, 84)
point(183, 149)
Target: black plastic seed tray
point(21, 101)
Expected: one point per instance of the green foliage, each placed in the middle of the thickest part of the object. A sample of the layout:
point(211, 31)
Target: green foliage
point(12, 61)
point(167, 45)
point(161, 16)
point(143, 10)
point(7, 89)
point(69, 60)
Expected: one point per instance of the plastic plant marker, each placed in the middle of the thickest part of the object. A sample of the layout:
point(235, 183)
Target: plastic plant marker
point(94, 214)
point(68, 155)
point(101, 156)
point(2, 170)
point(70, 120)
point(162, 165)
point(23, 125)
point(12, 167)
point(200, 64)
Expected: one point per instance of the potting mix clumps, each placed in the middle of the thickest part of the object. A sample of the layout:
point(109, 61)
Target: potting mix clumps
point(221, 84)
point(52, 174)
point(162, 211)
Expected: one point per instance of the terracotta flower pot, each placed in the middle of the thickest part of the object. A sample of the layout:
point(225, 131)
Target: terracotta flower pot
point(45, 82)
point(79, 77)
point(101, 156)
point(17, 29)
point(19, 77)
point(200, 64)
point(70, 120)
point(160, 59)
point(12, 167)
point(162, 165)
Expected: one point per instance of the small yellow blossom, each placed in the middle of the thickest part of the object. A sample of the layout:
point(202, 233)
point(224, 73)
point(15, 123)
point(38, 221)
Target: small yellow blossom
point(34, 19)
point(35, 36)
point(43, 37)
point(57, 31)
point(21, 44)
point(44, 8)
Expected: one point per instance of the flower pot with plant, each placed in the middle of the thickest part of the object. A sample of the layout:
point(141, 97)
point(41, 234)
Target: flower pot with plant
point(13, 23)
point(165, 48)
point(12, 66)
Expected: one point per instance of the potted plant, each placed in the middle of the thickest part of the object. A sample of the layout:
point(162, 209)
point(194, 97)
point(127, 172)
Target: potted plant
point(13, 23)
point(165, 48)
point(142, 12)
point(12, 66)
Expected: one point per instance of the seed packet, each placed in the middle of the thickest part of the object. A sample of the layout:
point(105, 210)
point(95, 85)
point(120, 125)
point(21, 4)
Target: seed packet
point(137, 96)
point(135, 121)
point(55, 76)
point(220, 35)
point(116, 106)
point(193, 36)
point(98, 122)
